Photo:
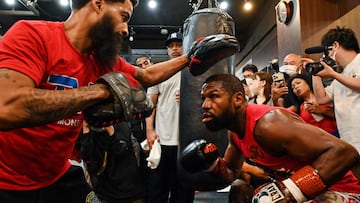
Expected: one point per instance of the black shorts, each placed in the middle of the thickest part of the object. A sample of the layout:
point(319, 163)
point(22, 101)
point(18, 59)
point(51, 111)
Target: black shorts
point(70, 188)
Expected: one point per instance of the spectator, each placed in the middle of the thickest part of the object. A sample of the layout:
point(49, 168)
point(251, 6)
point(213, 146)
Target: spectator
point(143, 61)
point(249, 71)
point(344, 91)
point(262, 90)
point(320, 115)
point(138, 127)
point(113, 160)
point(164, 179)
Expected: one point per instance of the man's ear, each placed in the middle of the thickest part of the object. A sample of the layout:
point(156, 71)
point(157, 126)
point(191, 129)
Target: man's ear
point(97, 4)
point(239, 99)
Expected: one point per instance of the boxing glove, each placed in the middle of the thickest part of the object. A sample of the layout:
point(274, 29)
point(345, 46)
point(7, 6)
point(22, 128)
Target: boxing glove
point(271, 193)
point(129, 102)
point(199, 155)
point(207, 51)
point(301, 186)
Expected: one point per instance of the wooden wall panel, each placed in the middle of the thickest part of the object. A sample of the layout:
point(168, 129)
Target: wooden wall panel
point(349, 20)
point(315, 15)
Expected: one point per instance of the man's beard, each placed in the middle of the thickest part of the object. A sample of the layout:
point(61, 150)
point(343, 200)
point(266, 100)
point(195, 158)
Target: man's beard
point(105, 42)
point(220, 122)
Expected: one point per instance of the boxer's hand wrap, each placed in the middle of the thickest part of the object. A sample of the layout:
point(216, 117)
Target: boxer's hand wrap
point(305, 183)
point(207, 51)
point(200, 155)
point(129, 102)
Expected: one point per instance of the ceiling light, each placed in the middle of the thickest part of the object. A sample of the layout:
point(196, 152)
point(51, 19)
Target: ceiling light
point(64, 2)
point(247, 5)
point(152, 4)
point(10, 2)
point(224, 5)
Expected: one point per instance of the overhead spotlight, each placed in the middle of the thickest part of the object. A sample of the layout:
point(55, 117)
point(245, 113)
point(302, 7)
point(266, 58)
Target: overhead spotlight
point(248, 5)
point(10, 2)
point(224, 5)
point(152, 4)
point(64, 2)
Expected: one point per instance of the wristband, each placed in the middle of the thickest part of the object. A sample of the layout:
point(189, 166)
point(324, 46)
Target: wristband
point(308, 181)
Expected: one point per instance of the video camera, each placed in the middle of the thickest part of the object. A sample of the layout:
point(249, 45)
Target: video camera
point(315, 67)
point(273, 64)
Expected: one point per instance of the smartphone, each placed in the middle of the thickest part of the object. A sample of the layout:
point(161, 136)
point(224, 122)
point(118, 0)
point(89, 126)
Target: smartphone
point(279, 78)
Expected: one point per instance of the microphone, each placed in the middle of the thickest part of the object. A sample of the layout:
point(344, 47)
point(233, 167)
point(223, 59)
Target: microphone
point(317, 49)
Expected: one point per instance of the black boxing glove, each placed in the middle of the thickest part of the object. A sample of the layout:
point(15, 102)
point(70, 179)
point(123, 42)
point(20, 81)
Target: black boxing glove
point(207, 51)
point(199, 155)
point(129, 102)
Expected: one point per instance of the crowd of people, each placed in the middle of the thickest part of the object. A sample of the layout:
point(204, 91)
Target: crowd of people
point(288, 131)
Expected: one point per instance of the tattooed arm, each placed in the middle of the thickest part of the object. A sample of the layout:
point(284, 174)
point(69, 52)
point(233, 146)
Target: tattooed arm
point(23, 105)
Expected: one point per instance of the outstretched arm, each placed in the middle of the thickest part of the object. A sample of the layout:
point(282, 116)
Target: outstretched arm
point(350, 82)
point(23, 105)
point(159, 72)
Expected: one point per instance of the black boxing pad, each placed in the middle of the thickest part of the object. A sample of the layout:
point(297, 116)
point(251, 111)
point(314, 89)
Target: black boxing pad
point(201, 23)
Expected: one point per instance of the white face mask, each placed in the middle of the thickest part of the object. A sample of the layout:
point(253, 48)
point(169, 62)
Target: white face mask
point(333, 56)
point(249, 82)
point(288, 69)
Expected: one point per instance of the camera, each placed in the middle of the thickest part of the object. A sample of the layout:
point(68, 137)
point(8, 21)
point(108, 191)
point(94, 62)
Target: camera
point(315, 67)
point(273, 64)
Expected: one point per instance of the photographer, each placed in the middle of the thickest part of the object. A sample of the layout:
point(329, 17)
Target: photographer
point(345, 89)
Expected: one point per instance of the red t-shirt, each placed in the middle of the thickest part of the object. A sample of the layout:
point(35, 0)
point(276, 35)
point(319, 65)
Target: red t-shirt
point(36, 157)
point(328, 124)
point(252, 150)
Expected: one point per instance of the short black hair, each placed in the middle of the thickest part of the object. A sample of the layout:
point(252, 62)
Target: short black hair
point(143, 56)
point(296, 100)
point(250, 67)
point(345, 36)
point(230, 83)
point(77, 4)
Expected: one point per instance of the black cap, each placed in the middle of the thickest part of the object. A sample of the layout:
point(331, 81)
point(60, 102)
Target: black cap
point(175, 36)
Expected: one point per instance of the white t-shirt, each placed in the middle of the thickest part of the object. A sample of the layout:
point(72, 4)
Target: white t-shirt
point(167, 110)
point(347, 105)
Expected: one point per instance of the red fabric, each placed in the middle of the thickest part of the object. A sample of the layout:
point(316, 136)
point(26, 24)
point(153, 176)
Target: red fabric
point(328, 124)
point(32, 158)
point(252, 150)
